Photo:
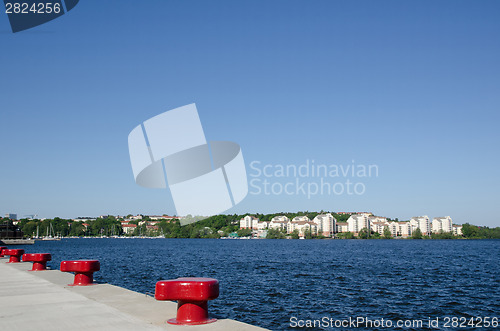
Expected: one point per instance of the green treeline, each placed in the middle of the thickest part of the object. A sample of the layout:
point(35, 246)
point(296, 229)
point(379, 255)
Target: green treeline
point(58, 227)
point(213, 227)
point(480, 232)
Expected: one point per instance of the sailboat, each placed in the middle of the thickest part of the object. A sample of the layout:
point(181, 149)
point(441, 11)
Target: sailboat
point(51, 235)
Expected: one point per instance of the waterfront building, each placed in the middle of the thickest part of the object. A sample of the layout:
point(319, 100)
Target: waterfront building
point(421, 222)
point(326, 224)
point(405, 229)
point(301, 223)
point(357, 222)
point(378, 226)
point(444, 224)
point(374, 219)
point(280, 218)
point(262, 225)
point(249, 222)
point(342, 227)
point(394, 228)
point(278, 222)
point(377, 223)
point(457, 229)
point(302, 227)
point(128, 228)
point(301, 219)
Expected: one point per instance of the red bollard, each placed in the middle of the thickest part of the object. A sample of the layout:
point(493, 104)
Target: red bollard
point(39, 260)
point(1, 249)
point(15, 254)
point(191, 294)
point(83, 269)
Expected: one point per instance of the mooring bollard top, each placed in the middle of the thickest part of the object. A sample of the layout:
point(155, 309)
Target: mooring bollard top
point(187, 289)
point(80, 266)
point(37, 257)
point(13, 252)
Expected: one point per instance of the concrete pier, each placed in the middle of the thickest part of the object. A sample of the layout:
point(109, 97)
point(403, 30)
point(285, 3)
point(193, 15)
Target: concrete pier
point(42, 300)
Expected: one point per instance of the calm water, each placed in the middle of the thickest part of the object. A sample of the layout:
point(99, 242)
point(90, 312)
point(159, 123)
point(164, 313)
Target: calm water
point(266, 282)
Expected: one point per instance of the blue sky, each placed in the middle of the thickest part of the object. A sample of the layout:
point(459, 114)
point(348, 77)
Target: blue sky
point(411, 86)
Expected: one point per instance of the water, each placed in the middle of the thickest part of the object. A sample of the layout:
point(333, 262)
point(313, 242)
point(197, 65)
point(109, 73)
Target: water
point(267, 282)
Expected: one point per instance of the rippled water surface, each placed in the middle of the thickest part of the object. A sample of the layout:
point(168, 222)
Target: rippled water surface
point(266, 282)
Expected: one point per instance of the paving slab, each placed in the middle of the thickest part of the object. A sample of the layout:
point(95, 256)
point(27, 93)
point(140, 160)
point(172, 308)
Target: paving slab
point(42, 300)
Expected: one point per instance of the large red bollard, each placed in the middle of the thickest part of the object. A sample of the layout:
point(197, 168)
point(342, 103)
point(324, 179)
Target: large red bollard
point(191, 295)
point(39, 260)
point(1, 249)
point(83, 269)
point(15, 254)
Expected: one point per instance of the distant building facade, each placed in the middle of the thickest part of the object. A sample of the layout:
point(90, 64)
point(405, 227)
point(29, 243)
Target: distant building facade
point(326, 224)
point(249, 222)
point(457, 230)
point(421, 222)
point(442, 224)
point(128, 228)
point(357, 222)
point(279, 222)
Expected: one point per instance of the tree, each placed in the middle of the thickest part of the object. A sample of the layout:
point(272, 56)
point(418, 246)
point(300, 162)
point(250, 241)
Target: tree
point(29, 228)
point(363, 233)
point(417, 234)
point(345, 235)
point(275, 234)
point(442, 235)
point(387, 233)
point(244, 232)
point(308, 234)
point(469, 231)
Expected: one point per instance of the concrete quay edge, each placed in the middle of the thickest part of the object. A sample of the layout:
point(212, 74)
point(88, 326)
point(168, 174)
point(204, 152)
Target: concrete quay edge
point(42, 300)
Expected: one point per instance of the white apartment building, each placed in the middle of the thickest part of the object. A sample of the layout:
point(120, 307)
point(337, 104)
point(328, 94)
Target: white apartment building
point(262, 225)
point(378, 226)
point(444, 224)
point(278, 222)
point(405, 229)
point(457, 229)
point(302, 227)
point(342, 227)
point(394, 228)
point(280, 219)
point(128, 228)
point(326, 224)
point(421, 222)
point(301, 219)
point(377, 219)
point(294, 224)
point(357, 222)
point(249, 222)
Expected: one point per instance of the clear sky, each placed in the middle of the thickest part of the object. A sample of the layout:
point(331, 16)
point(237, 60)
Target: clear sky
point(412, 87)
